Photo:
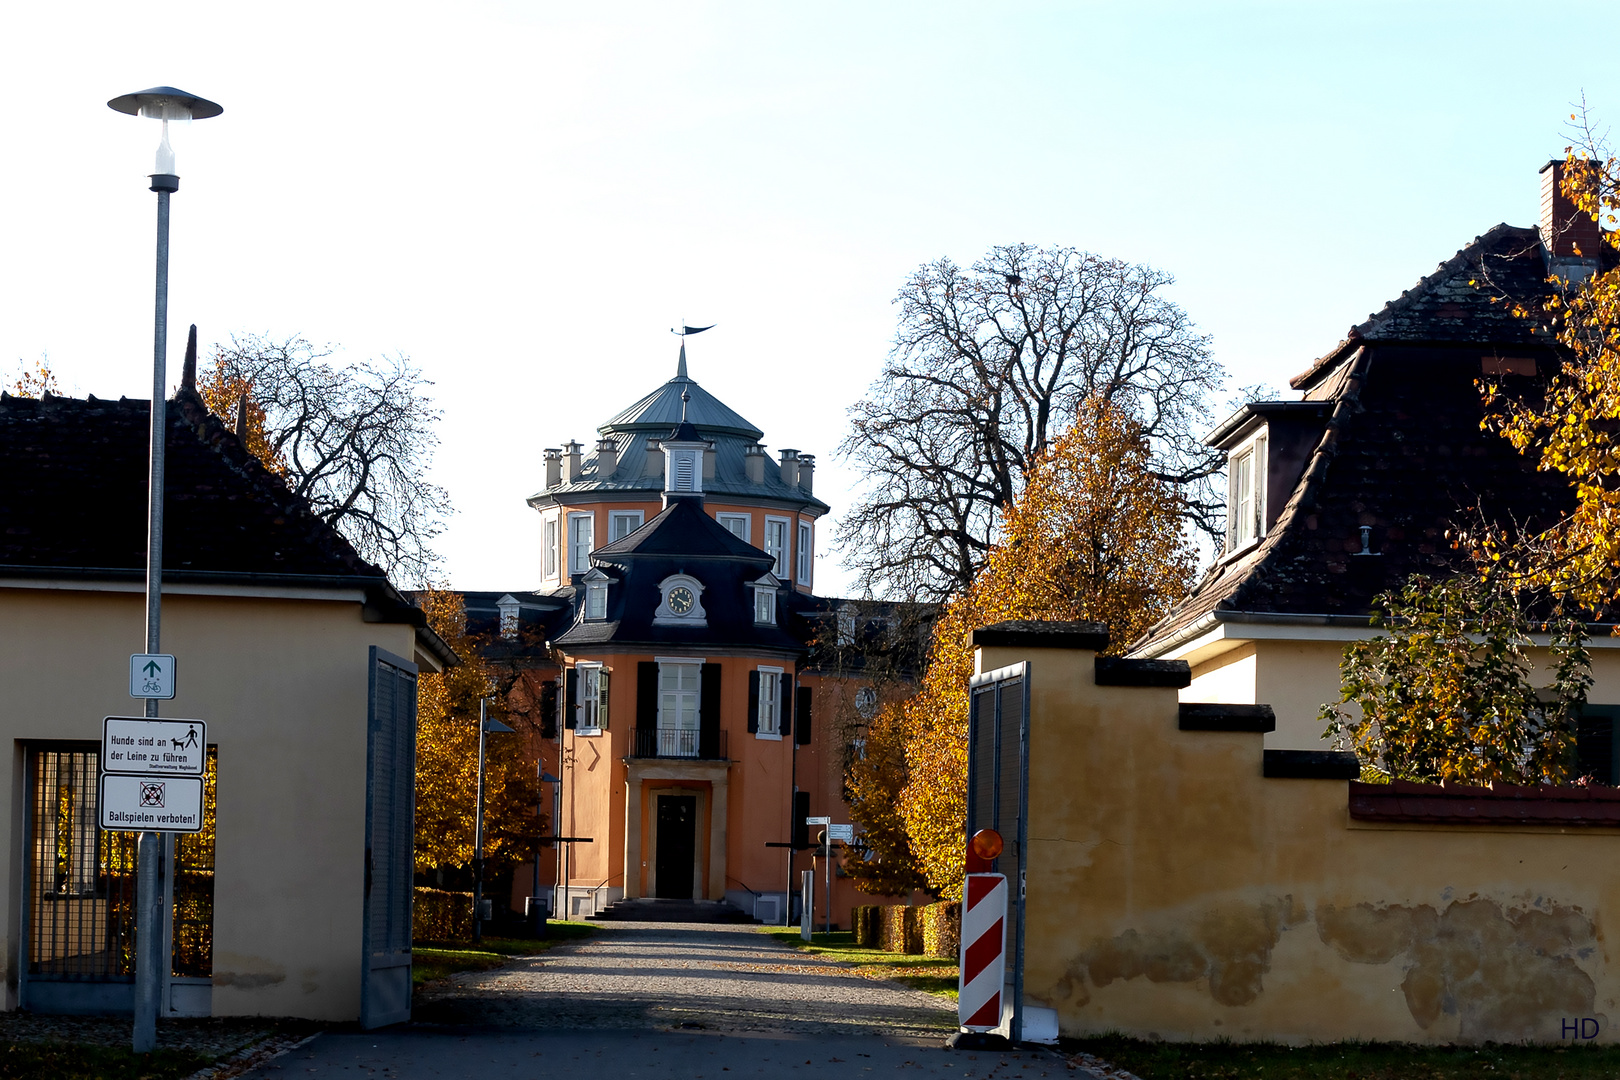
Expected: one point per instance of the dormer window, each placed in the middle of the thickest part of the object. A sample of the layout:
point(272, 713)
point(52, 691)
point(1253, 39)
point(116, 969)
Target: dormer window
point(509, 607)
point(1246, 494)
point(596, 591)
point(765, 600)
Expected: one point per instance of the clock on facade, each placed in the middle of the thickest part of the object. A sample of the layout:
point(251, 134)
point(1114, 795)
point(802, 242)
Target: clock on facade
point(681, 600)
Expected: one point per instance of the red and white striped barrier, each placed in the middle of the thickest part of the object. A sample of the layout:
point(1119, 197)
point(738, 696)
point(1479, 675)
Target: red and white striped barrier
point(984, 952)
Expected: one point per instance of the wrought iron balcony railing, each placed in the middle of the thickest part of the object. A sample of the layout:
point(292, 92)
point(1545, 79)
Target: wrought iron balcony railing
point(680, 743)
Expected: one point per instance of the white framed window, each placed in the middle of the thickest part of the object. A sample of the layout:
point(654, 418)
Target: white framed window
point(593, 699)
point(596, 590)
point(621, 523)
point(770, 703)
point(510, 609)
point(1246, 495)
point(776, 544)
point(806, 530)
point(680, 685)
point(736, 524)
point(548, 547)
point(581, 539)
point(846, 627)
point(764, 605)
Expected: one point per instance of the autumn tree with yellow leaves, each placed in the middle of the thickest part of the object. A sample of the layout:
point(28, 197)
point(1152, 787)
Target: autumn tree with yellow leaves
point(1094, 536)
point(447, 758)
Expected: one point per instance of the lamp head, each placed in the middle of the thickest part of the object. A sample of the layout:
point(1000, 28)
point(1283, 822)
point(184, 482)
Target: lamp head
point(165, 103)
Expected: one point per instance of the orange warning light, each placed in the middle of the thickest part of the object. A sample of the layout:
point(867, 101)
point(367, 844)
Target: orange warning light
point(986, 844)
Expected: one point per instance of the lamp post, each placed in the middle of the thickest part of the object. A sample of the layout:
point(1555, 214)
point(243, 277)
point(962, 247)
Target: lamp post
point(163, 103)
point(487, 725)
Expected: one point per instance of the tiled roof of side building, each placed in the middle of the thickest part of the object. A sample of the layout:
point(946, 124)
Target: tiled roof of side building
point(1401, 452)
point(74, 504)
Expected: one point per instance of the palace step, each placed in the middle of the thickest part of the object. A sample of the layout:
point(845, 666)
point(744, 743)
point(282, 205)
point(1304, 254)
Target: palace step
point(647, 909)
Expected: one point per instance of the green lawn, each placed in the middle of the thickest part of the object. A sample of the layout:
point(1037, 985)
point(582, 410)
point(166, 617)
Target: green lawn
point(931, 974)
point(1349, 1061)
point(441, 959)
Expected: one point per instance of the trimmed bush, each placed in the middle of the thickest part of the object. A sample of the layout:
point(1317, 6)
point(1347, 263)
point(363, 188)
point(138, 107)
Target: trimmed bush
point(901, 929)
point(441, 915)
point(865, 921)
point(942, 929)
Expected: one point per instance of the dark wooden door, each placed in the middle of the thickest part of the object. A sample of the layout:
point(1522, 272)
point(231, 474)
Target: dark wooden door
point(677, 846)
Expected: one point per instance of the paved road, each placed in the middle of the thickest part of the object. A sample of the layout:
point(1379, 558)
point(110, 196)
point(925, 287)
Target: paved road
point(664, 1000)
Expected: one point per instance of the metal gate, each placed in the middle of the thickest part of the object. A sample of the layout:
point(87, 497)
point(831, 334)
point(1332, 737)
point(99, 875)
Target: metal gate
point(998, 798)
point(385, 987)
point(79, 894)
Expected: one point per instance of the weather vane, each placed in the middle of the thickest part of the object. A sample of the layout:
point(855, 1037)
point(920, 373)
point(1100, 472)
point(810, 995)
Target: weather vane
point(682, 333)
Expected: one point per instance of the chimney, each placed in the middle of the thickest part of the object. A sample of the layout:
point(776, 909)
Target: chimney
point(754, 463)
point(790, 467)
point(571, 451)
point(709, 458)
point(1564, 228)
point(807, 473)
point(655, 458)
point(553, 467)
point(607, 458)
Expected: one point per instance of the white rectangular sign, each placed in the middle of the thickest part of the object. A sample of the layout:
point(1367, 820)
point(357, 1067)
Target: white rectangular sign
point(142, 746)
point(818, 821)
point(843, 834)
point(151, 675)
point(151, 803)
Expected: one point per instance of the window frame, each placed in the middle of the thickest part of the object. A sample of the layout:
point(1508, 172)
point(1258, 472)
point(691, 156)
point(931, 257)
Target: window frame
point(615, 516)
point(594, 686)
point(775, 675)
point(783, 558)
point(802, 558)
point(1251, 454)
point(549, 546)
point(747, 524)
point(595, 601)
point(764, 604)
point(579, 562)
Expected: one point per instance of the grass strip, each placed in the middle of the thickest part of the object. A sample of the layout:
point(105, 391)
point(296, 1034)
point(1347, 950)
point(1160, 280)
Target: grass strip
point(931, 974)
point(1350, 1060)
point(72, 1061)
point(431, 960)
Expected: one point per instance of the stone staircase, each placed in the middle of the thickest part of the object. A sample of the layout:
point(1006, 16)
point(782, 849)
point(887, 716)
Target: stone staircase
point(646, 909)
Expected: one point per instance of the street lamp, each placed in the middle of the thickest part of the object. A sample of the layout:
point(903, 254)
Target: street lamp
point(487, 725)
point(163, 103)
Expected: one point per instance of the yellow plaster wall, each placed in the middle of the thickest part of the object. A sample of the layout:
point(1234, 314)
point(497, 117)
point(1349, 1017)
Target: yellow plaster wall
point(1174, 892)
point(283, 687)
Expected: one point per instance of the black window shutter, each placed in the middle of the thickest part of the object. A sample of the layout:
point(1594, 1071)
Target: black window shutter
point(784, 710)
point(801, 810)
point(571, 700)
point(801, 729)
point(709, 713)
point(548, 709)
point(753, 702)
point(647, 695)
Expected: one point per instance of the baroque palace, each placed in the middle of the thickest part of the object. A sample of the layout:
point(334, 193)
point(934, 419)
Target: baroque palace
point(673, 637)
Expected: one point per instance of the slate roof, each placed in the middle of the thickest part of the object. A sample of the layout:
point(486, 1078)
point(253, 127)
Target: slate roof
point(1400, 450)
point(655, 418)
point(682, 539)
point(73, 503)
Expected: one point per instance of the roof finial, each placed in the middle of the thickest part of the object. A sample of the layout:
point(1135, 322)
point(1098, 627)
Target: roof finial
point(680, 367)
point(188, 373)
point(685, 397)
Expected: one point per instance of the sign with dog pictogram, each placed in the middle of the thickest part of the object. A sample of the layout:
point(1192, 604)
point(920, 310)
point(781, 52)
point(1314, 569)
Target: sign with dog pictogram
point(140, 746)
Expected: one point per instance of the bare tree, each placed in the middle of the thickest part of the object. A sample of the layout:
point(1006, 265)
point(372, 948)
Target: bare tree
point(355, 441)
point(989, 365)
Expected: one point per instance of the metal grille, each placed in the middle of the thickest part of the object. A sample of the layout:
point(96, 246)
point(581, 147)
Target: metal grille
point(81, 911)
point(194, 888)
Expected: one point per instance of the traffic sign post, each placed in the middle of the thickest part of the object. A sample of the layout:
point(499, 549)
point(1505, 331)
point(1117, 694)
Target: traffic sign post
point(151, 676)
point(139, 803)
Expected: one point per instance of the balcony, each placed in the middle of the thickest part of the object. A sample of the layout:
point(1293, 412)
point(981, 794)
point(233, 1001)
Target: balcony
point(676, 743)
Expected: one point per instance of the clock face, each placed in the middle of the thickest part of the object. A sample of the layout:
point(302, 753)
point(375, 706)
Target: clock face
point(680, 600)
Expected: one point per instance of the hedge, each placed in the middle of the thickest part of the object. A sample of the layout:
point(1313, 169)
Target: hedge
point(441, 915)
point(899, 928)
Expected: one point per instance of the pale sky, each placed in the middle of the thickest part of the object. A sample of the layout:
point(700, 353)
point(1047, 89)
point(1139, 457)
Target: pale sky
point(524, 197)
